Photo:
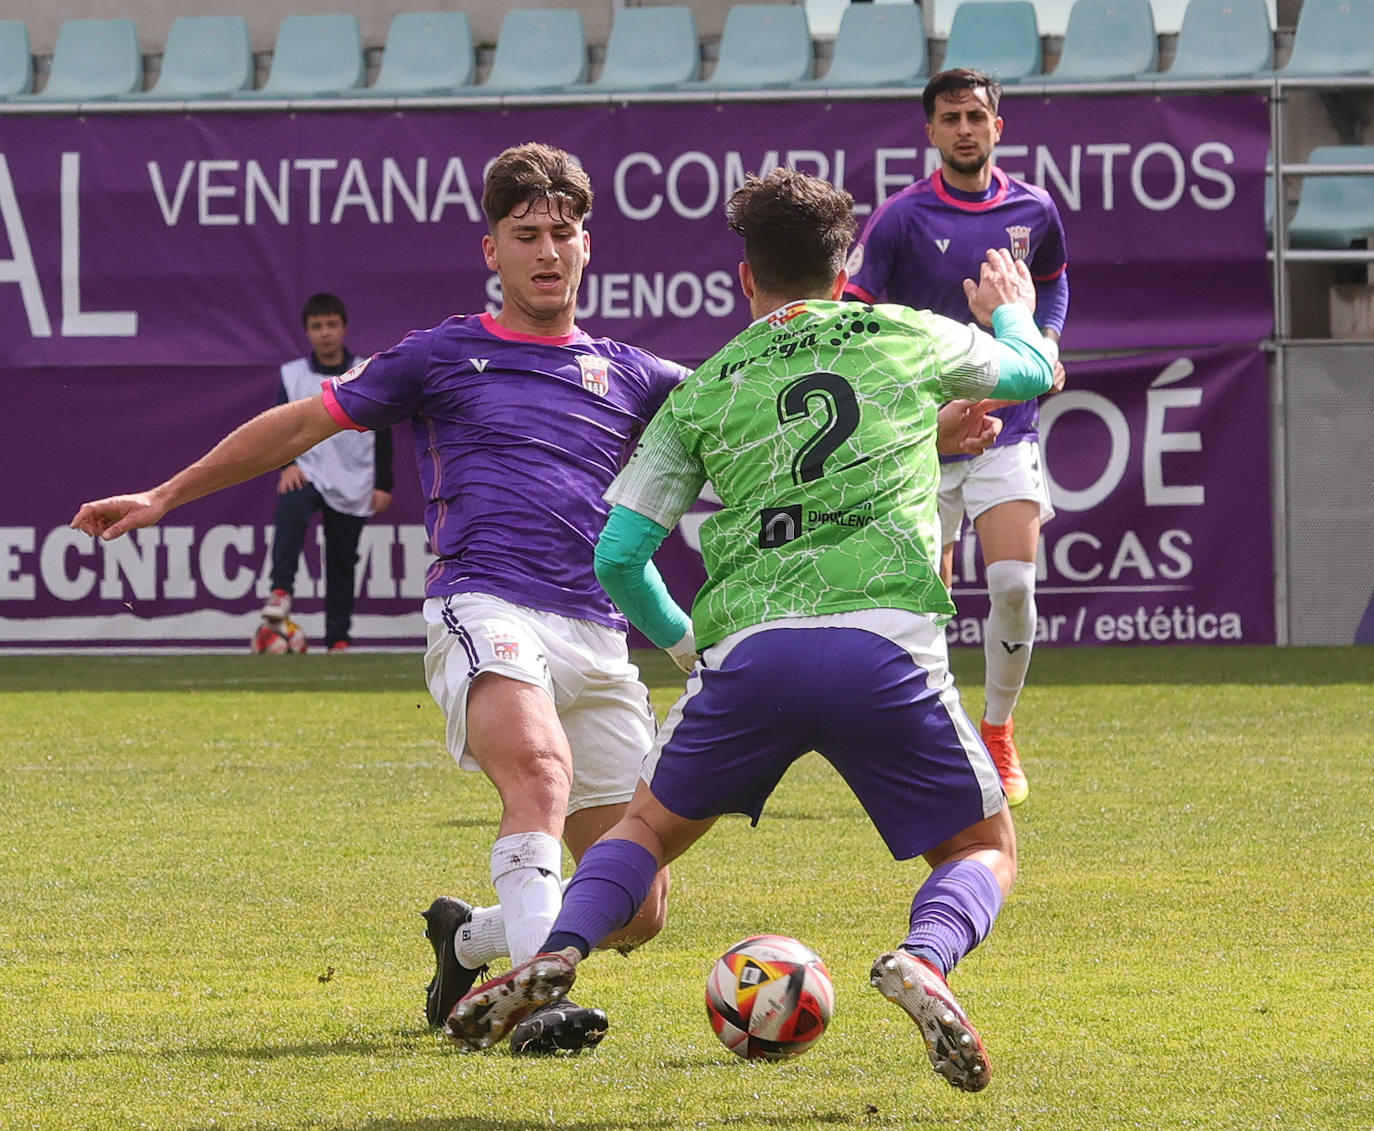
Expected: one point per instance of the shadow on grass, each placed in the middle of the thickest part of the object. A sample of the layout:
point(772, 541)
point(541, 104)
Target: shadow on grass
point(402, 671)
point(311, 673)
point(1174, 666)
point(484, 1123)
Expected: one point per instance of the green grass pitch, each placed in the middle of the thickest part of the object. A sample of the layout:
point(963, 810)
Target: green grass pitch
point(211, 868)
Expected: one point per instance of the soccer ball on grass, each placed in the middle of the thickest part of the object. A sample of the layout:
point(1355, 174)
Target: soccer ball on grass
point(769, 998)
point(278, 638)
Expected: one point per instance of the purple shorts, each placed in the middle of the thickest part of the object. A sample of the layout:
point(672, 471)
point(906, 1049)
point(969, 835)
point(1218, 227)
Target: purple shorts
point(885, 714)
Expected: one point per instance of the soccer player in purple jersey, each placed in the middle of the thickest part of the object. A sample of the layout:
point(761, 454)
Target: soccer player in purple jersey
point(917, 249)
point(521, 421)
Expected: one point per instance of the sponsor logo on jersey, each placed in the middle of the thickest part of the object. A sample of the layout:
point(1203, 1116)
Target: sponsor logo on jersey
point(596, 373)
point(356, 371)
point(505, 647)
point(943, 245)
point(479, 363)
point(778, 526)
point(1018, 236)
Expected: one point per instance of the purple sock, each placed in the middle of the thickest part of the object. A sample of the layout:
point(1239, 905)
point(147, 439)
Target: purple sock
point(953, 912)
point(611, 881)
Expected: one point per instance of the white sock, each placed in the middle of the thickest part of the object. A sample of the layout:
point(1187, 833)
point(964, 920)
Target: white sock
point(1010, 636)
point(482, 939)
point(527, 870)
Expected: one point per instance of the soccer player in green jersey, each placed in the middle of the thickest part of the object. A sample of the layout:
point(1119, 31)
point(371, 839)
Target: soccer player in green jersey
point(820, 621)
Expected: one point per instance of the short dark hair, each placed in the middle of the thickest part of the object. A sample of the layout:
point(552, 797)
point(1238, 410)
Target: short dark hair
point(321, 304)
point(797, 229)
point(527, 173)
point(961, 78)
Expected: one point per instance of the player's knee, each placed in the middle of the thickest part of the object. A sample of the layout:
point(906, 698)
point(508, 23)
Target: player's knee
point(1011, 585)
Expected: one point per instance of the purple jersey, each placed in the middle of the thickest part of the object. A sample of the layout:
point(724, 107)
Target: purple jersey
point(921, 244)
point(517, 438)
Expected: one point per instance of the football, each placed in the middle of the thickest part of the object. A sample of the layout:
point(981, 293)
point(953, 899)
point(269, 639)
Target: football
point(769, 998)
point(278, 638)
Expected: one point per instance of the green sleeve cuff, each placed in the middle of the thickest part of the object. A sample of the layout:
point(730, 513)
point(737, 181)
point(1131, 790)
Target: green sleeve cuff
point(625, 568)
point(1025, 362)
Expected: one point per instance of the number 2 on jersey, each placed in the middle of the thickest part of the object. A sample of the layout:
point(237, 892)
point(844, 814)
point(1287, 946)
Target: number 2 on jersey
point(835, 397)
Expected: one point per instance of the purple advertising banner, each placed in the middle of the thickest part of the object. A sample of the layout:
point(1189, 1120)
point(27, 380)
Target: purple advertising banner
point(153, 266)
point(1159, 475)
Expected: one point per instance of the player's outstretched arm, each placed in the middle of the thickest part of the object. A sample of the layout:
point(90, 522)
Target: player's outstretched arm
point(265, 443)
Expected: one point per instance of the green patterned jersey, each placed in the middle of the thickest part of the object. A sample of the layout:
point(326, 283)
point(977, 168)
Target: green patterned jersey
point(816, 426)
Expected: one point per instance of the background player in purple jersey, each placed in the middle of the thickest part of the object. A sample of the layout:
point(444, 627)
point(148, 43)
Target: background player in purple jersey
point(865, 680)
point(521, 421)
point(917, 249)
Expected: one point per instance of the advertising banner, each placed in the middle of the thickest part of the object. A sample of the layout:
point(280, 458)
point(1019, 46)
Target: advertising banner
point(153, 268)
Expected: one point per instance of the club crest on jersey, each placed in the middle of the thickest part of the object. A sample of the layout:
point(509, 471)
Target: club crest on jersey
point(596, 373)
point(356, 371)
point(1019, 241)
point(505, 647)
point(855, 260)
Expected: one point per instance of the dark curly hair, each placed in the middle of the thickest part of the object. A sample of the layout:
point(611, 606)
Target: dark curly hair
point(531, 172)
point(961, 78)
point(797, 229)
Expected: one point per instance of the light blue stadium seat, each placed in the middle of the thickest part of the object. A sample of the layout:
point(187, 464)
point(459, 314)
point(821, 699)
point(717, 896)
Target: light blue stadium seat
point(538, 49)
point(426, 53)
point(314, 56)
point(1335, 210)
point(763, 45)
point(205, 57)
point(1108, 41)
point(93, 59)
point(878, 45)
point(1223, 39)
point(1332, 37)
point(16, 60)
point(651, 49)
point(1000, 37)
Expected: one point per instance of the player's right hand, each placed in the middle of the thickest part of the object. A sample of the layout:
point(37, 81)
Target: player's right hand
point(109, 518)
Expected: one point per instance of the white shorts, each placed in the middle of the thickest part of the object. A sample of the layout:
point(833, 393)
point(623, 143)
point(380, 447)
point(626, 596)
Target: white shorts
point(1002, 474)
point(584, 666)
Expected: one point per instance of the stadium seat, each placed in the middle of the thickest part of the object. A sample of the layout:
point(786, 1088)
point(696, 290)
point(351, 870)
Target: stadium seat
point(93, 59)
point(1335, 210)
point(314, 56)
point(651, 49)
point(426, 53)
point(1223, 39)
point(877, 45)
point(1000, 37)
point(763, 45)
point(1108, 41)
point(538, 49)
point(16, 61)
point(1332, 37)
point(205, 57)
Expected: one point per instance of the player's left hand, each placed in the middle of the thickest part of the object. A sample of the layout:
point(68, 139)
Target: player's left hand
point(684, 653)
point(380, 501)
point(1059, 375)
point(965, 428)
